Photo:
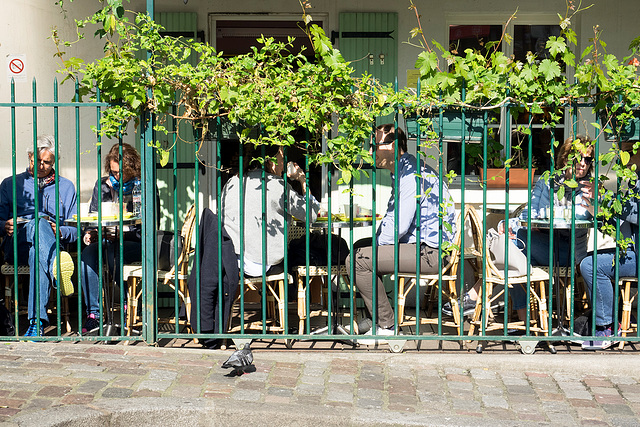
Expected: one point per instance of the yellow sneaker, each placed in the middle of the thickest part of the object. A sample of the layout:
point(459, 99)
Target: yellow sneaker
point(66, 271)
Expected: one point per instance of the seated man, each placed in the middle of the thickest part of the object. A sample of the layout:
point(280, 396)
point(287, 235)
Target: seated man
point(430, 200)
point(26, 186)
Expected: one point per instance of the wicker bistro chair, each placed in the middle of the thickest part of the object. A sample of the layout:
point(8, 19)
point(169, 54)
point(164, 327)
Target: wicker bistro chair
point(628, 296)
point(132, 274)
point(429, 283)
point(23, 270)
point(538, 304)
point(8, 272)
point(315, 271)
point(275, 296)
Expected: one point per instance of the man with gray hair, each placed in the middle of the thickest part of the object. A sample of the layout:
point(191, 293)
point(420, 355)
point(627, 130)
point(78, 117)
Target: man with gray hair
point(39, 180)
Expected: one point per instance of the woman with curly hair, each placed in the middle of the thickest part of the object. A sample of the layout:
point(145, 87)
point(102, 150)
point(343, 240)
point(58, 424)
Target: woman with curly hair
point(109, 186)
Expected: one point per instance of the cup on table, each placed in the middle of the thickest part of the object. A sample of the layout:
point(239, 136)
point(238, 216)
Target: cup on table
point(109, 208)
point(84, 209)
point(542, 213)
point(347, 210)
point(567, 214)
point(324, 209)
point(558, 212)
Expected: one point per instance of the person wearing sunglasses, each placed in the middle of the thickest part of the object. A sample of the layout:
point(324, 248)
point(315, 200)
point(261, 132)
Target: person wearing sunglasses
point(606, 264)
point(574, 160)
point(39, 180)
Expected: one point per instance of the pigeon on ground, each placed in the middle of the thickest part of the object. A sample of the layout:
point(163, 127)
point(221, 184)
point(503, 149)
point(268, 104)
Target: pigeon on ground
point(240, 360)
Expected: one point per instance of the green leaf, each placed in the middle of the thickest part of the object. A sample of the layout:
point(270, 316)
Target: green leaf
point(346, 176)
point(556, 45)
point(571, 183)
point(624, 157)
point(550, 69)
point(586, 51)
point(164, 156)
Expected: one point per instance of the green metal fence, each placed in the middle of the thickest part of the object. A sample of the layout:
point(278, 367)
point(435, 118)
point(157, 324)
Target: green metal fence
point(277, 304)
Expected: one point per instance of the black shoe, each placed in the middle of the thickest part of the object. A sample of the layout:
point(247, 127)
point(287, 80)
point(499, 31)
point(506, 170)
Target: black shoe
point(468, 305)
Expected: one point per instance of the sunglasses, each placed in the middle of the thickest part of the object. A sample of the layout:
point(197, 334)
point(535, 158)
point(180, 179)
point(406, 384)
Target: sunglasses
point(587, 160)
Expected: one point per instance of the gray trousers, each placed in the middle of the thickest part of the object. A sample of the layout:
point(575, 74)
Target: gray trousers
point(363, 266)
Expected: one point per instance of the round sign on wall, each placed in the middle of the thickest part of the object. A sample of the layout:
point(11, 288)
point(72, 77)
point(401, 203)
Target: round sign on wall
point(16, 68)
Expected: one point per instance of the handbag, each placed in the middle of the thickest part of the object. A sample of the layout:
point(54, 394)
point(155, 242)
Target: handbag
point(517, 260)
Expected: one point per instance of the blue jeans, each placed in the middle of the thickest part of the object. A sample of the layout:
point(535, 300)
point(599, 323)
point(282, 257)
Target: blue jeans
point(46, 254)
point(605, 272)
point(539, 248)
point(89, 268)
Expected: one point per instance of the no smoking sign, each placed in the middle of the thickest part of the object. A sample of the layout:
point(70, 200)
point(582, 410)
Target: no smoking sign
point(16, 68)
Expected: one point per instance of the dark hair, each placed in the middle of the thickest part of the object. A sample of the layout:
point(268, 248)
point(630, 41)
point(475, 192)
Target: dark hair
point(130, 160)
point(253, 154)
point(562, 157)
point(387, 134)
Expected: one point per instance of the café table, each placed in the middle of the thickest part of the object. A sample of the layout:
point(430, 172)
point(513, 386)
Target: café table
point(92, 221)
point(558, 225)
point(339, 223)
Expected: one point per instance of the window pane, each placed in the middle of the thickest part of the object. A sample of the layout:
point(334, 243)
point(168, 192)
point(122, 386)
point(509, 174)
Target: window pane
point(462, 37)
point(532, 38)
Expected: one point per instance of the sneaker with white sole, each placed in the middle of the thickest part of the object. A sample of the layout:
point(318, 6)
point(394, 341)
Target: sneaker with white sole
point(374, 341)
point(66, 271)
point(593, 345)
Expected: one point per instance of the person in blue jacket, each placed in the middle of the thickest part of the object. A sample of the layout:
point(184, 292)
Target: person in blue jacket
point(39, 181)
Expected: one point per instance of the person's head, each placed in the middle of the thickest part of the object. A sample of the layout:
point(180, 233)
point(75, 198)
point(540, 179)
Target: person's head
point(130, 162)
point(45, 157)
point(272, 155)
point(385, 138)
point(578, 151)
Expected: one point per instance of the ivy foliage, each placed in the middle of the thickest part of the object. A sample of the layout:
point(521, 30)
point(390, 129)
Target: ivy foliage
point(272, 87)
point(489, 79)
point(282, 91)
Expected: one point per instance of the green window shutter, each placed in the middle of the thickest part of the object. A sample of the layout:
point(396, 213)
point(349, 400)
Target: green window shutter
point(185, 25)
point(364, 34)
point(361, 35)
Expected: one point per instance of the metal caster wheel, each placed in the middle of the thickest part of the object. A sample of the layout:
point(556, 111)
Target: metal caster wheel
point(479, 349)
point(396, 346)
point(528, 347)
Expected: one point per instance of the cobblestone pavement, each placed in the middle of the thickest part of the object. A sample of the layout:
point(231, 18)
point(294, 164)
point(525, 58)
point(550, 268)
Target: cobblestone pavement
point(75, 383)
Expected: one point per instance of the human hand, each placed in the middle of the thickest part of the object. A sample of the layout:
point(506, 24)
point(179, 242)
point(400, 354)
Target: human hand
point(53, 226)
point(8, 226)
point(90, 236)
point(296, 173)
point(588, 191)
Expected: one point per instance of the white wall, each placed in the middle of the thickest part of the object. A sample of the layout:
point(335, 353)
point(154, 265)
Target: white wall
point(26, 31)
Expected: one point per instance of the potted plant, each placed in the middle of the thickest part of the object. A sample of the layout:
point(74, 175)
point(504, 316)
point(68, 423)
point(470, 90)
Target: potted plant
point(517, 165)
